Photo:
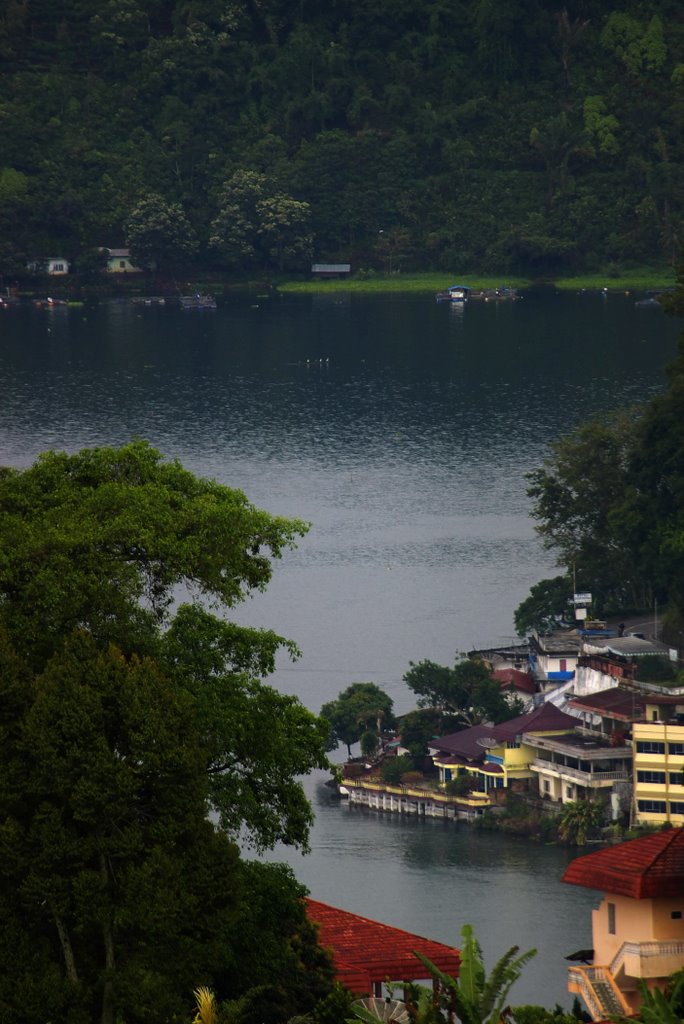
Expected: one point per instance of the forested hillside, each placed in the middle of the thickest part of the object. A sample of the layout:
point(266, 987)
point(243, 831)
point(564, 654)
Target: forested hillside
point(491, 135)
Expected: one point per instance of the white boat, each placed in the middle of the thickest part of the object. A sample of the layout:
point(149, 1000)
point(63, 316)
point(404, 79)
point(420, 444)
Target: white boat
point(454, 293)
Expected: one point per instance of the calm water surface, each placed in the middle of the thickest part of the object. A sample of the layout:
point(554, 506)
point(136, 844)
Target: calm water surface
point(401, 431)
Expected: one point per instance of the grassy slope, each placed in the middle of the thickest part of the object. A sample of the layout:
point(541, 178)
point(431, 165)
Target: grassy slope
point(639, 280)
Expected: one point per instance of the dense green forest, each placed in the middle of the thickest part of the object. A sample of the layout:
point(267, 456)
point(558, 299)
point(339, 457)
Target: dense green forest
point(535, 137)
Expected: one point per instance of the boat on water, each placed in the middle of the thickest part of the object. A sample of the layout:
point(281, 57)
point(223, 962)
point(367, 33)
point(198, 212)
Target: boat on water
point(197, 301)
point(454, 293)
point(49, 303)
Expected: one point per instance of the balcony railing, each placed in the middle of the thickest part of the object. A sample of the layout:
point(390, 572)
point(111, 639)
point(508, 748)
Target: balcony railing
point(653, 959)
point(475, 798)
point(577, 775)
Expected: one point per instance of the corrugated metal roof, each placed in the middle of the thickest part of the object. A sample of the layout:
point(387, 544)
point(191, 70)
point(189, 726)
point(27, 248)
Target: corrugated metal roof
point(643, 868)
point(365, 950)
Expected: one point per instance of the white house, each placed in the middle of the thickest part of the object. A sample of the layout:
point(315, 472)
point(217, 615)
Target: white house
point(49, 265)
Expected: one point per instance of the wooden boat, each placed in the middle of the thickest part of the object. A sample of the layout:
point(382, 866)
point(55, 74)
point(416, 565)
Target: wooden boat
point(455, 293)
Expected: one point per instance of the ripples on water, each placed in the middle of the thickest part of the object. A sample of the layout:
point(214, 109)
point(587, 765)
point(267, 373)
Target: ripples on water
point(402, 431)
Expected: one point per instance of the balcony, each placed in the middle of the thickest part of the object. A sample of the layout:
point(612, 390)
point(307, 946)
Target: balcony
point(649, 959)
point(565, 772)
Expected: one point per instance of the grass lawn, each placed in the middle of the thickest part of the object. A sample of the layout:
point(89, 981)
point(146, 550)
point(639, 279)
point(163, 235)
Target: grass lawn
point(429, 282)
point(642, 279)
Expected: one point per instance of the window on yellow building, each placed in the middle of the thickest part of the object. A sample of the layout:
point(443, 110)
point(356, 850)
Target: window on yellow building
point(611, 919)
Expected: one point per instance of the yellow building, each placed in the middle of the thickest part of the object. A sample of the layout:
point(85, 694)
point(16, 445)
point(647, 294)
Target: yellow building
point(495, 756)
point(658, 768)
point(638, 928)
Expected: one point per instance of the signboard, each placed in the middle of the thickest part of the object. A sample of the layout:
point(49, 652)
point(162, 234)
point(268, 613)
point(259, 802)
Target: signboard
point(580, 613)
point(582, 598)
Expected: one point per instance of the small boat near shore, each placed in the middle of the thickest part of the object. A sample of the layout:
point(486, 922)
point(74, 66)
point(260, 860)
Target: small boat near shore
point(454, 293)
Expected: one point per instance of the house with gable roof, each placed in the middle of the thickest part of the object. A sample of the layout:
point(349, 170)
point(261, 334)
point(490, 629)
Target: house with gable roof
point(638, 928)
point(497, 756)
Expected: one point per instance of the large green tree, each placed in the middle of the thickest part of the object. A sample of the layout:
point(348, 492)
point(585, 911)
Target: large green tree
point(576, 497)
point(355, 709)
point(467, 692)
point(125, 719)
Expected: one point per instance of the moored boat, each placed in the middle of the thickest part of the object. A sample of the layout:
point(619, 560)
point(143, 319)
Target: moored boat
point(454, 293)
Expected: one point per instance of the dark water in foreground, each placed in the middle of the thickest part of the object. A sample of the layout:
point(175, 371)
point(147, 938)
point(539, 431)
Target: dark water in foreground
point(402, 431)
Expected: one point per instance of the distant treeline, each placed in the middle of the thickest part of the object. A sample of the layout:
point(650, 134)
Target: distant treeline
point(533, 136)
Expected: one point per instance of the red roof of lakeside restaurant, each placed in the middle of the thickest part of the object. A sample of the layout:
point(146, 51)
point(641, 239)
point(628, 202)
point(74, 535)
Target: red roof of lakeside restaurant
point(643, 868)
point(366, 951)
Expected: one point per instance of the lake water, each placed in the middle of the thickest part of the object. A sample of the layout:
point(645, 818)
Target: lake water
point(401, 430)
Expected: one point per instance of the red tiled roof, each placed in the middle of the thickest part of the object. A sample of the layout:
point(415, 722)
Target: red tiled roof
point(513, 676)
point(643, 868)
point(366, 951)
point(625, 705)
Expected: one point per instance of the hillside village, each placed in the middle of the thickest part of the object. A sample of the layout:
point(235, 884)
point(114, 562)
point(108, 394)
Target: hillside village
point(593, 729)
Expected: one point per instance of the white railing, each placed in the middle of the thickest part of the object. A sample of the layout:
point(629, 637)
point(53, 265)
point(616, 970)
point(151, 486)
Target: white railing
point(587, 778)
point(647, 951)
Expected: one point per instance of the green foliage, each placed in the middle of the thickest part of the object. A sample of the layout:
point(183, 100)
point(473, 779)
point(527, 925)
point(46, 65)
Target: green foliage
point(159, 234)
point(475, 997)
point(576, 496)
point(257, 226)
point(661, 1007)
point(417, 728)
point(416, 125)
point(654, 668)
point(126, 719)
point(357, 707)
point(578, 819)
point(394, 769)
point(548, 605)
point(468, 692)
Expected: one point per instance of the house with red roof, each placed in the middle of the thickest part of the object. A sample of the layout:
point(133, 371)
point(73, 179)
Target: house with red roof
point(638, 928)
point(367, 954)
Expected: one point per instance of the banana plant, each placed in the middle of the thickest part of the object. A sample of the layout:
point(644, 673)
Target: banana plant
point(474, 997)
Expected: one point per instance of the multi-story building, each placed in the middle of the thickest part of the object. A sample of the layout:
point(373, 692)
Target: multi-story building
point(659, 768)
point(638, 928)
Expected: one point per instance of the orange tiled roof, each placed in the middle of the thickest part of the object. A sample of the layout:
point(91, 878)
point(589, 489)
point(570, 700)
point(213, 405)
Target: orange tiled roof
point(643, 868)
point(366, 951)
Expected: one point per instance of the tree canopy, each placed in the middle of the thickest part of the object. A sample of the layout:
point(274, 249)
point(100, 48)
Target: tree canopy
point(139, 742)
point(531, 138)
point(467, 692)
point(355, 709)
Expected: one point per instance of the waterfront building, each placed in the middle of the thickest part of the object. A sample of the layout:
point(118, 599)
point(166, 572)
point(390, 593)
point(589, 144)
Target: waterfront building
point(638, 928)
point(495, 757)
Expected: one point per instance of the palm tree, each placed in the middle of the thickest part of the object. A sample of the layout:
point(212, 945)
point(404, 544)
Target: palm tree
point(576, 820)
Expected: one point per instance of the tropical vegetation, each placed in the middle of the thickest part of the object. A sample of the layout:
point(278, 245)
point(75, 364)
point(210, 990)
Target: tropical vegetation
point(139, 743)
point(542, 138)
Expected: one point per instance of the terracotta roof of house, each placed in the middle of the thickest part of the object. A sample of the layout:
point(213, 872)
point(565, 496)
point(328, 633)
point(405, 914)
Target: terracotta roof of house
point(625, 705)
point(366, 951)
point(643, 868)
point(514, 677)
